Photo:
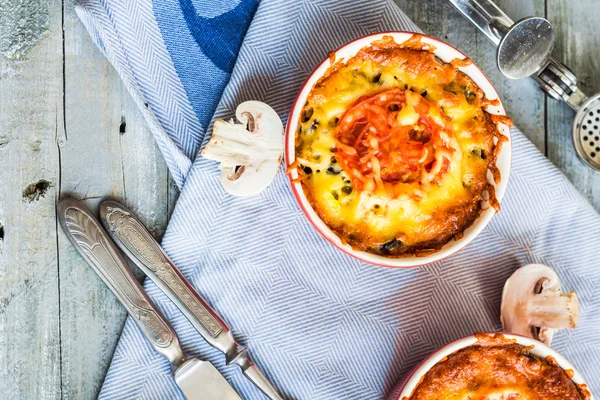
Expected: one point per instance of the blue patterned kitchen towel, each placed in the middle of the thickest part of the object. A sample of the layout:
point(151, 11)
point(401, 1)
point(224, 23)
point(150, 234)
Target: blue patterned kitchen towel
point(321, 324)
point(175, 58)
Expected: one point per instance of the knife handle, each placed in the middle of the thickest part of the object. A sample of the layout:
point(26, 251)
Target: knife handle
point(138, 244)
point(89, 238)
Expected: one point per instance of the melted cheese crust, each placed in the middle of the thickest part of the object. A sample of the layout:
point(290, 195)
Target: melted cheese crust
point(496, 369)
point(416, 211)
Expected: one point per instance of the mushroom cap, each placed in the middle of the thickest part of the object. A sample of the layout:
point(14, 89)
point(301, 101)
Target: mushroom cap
point(249, 152)
point(533, 305)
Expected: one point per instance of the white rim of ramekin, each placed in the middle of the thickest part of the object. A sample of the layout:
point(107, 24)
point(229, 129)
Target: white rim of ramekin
point(447, 53)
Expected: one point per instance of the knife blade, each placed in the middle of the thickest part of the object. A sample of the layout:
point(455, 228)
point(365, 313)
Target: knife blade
point(132, 237)
point(197, 379)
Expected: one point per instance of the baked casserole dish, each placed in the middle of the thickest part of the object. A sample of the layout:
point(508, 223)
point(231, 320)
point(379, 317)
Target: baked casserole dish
point(497, 367)
point(394, 149)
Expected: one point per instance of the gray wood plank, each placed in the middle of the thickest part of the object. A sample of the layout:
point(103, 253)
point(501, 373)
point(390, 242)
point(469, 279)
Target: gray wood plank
point(524, 102)
point(148, 187)
point(91, 318)
point(31, 117)
point(578, 40)
point(108, 152)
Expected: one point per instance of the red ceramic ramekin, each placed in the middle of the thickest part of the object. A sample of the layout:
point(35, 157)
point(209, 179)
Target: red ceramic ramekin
point(446, 53)
point(407, 385)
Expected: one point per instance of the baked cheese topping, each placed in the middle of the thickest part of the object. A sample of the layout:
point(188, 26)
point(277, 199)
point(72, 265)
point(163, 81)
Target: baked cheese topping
point(393, 149)
point(497, 369)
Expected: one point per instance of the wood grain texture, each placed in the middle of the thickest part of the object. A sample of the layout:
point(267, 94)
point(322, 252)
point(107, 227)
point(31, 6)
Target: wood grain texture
point(91, 318)
point(577, 47)
point(58, 323)
point(31, 117)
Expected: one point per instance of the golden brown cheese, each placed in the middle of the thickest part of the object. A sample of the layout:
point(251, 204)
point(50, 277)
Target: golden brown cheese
point(393, 149)
point(496, 368)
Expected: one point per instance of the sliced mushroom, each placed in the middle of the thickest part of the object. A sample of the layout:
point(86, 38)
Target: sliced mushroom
point(249, 152)
point(534, 306)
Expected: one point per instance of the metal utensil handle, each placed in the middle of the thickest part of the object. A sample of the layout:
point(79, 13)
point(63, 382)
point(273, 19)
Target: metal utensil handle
point(90, 239)
point(555, 78)
point(135, 240)
point(486, 15)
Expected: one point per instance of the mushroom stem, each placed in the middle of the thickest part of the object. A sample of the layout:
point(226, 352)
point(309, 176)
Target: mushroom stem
point(232, 144)
point(552, 309)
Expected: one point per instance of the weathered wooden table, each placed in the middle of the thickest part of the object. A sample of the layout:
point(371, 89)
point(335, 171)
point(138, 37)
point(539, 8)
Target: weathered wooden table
point(67, 125)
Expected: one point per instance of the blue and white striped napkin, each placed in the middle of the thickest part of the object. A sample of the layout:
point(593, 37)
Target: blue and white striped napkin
point(321, 324)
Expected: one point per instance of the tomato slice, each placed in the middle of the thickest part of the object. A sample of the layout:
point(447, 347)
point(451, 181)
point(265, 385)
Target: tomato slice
point(405, 153)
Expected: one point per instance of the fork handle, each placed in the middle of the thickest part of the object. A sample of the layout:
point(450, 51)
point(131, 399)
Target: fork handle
point(89, 238)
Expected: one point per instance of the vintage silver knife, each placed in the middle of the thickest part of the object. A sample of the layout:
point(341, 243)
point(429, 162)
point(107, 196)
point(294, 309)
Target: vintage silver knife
point(137, 243)
point(197, 379)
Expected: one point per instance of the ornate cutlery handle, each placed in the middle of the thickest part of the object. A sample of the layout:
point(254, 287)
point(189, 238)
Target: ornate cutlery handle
point(137, 243)
point(92, 242)
point(134, 239)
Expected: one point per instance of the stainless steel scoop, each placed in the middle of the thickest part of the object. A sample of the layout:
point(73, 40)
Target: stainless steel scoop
point(524, 49)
